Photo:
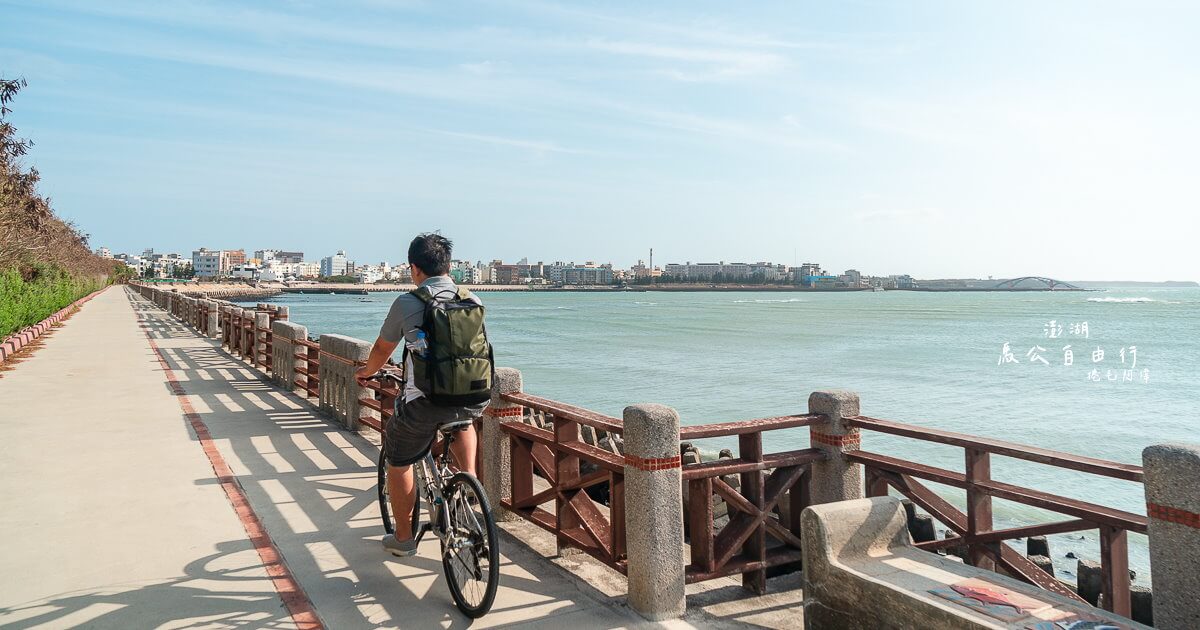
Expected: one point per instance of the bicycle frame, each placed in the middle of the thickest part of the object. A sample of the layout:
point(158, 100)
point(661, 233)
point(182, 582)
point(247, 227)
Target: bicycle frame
point(434, 473)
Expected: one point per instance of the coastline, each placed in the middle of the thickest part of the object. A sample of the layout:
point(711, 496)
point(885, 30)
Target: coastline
point(245, 291)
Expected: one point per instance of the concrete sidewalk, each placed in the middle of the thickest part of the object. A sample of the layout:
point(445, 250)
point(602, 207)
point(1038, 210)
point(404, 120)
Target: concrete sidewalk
point(113, 516)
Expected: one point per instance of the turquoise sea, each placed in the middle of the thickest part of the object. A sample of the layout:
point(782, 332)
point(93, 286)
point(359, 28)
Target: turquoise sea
point(933, 359)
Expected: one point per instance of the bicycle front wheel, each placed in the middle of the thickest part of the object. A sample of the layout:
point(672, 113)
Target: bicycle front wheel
point(470, 550)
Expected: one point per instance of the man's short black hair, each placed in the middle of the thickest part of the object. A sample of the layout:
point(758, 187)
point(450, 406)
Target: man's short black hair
point(430, 252)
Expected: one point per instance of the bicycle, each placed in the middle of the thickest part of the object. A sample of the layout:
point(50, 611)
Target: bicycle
point(461, 519)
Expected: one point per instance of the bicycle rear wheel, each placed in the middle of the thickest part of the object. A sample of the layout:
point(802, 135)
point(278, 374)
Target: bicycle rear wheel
point(470, 550)
point(385, 504)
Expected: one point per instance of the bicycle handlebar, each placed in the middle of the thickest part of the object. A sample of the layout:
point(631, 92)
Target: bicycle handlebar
point(394, 374)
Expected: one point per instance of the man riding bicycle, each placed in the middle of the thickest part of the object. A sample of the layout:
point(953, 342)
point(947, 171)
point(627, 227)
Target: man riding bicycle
point(448, 375)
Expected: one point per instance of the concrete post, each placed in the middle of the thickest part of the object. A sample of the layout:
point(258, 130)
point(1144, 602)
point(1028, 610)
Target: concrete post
point(247, 338)
point(226, 333)
point(495, 471)
point(235, 329)
point(1172, 472)
point(286, 355)
point(262, 321)
point(835, 478)
point(654, 512)
point(214, 319)
point(339, 393)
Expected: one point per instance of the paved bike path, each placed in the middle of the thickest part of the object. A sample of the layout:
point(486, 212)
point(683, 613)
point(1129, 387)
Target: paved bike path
point(113, 515)
point(110, 516)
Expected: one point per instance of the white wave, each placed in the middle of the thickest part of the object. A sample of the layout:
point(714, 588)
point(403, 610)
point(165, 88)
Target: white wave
point(646, 303)
point(787, 301)
point(1123, 300)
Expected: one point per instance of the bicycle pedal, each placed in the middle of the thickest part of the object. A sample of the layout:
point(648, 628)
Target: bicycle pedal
point(425, 527)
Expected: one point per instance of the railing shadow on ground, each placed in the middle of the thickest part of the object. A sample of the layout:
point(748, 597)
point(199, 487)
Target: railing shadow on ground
point(214, 578)
point(313, 486)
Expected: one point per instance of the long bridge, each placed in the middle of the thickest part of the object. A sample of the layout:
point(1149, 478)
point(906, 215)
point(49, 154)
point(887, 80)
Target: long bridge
point(180, 460)
point(1038, 282)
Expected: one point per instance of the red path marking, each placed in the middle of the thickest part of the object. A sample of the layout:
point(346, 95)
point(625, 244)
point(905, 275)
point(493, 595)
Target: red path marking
point(293, 596)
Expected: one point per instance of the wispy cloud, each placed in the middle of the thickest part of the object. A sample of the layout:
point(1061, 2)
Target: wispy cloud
point(899, 215)
point(705, 63)
point(538, 146)
point(484, 67)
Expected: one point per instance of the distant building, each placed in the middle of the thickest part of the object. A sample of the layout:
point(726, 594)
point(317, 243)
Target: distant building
point(244, 271)
point(235, 257)
point(463, 272)
point(170, 265)
point(369, 274)
point(641, 271)
point(282, 270)
point(266, 255)
point(104, 252)
point(209, 263)
point(335, 265)
point(589, 273)
point(519, 273)
point(851, 278)
point(554, 272)
point(768, 272)
point(724, 271)
point(811, 275)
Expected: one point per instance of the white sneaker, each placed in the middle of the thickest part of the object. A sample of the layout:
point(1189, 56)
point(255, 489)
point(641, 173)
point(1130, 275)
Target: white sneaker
point(400, 548)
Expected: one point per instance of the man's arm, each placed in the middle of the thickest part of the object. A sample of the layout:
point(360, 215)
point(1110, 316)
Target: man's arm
point(380, 352)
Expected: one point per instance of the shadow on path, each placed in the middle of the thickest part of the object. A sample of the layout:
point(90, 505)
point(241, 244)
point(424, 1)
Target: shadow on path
point(312, 485)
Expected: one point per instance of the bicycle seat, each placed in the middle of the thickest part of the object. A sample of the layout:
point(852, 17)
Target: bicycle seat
point(459, 425)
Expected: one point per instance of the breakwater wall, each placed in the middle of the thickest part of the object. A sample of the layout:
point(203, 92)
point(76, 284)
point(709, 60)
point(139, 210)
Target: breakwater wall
point(383, 288)
point(633, 492)
point(245, 292)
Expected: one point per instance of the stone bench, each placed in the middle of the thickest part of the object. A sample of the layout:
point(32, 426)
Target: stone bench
point(861, 570)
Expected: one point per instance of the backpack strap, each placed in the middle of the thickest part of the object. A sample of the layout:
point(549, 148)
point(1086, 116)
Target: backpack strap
point(423, 294)
point(426, 295)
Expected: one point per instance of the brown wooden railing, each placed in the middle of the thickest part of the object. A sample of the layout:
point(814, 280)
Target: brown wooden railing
point(974, 529)
point(310, 371)
point(383, 401)
point(556, 456)
point(766, 482)
point(264, 338)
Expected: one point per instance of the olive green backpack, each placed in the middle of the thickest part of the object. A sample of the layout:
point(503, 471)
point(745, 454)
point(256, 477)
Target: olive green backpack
point(456, 369)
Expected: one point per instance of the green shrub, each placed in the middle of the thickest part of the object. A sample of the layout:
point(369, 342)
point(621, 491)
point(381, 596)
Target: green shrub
point(30, 295)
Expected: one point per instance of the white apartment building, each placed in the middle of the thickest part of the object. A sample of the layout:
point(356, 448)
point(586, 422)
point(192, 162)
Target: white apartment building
point(708, 271)
point(245, 271)
point(335, 265)
point(369, 274)
point(209, 263)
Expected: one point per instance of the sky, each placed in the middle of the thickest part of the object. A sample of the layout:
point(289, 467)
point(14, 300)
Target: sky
point(938, 139)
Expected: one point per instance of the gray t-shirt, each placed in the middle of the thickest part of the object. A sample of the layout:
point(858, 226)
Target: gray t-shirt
point(407, 314)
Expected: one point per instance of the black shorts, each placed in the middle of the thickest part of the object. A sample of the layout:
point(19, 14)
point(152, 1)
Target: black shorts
point(414, 425)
